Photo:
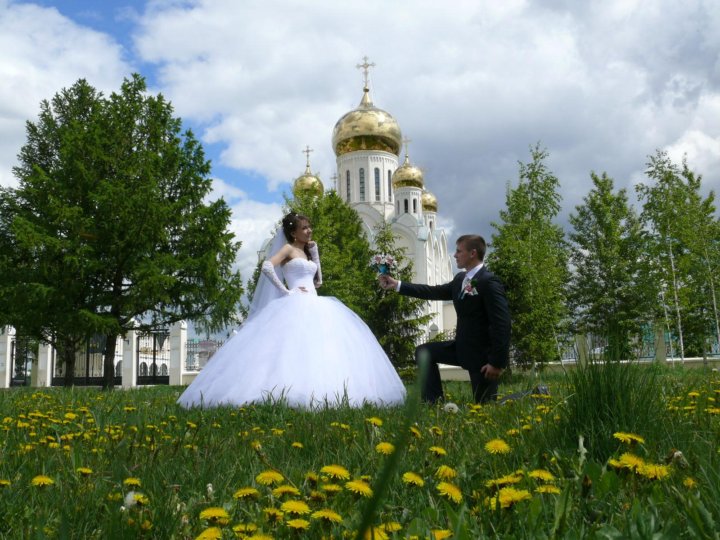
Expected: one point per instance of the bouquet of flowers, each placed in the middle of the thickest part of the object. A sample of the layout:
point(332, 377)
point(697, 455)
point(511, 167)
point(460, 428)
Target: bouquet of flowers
point(383, 263)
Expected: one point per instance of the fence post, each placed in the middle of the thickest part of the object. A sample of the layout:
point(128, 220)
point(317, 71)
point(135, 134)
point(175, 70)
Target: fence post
point(42, 366)
point(178, 352)
point(7, 335)
point(660, 349)
point(130, 358)
point(581, 345)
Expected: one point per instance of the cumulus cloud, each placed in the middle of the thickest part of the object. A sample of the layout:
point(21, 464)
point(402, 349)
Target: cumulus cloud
point(43, 52)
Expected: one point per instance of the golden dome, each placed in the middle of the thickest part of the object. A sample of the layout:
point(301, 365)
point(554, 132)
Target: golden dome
point(307, 184)
point(407, 175)
point(366, 128)
point(429, 202)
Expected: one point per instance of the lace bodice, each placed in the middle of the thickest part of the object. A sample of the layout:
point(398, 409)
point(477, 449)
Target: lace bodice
point(299, 273)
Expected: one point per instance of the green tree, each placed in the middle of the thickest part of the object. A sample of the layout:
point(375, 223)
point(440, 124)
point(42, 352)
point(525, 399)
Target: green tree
point(395, 319)
point(604, 294)
point(683, 231)
point(530, 256)
point(110, 225)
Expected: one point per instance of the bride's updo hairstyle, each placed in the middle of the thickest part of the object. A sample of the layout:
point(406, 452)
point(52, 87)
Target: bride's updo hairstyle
point(290, 223)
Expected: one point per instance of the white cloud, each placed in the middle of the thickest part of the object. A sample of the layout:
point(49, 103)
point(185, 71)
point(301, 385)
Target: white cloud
point(43, 52)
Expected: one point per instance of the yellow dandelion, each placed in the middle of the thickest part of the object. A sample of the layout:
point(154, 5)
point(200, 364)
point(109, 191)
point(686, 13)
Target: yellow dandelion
point(336, 471)
point(512, 432)
point(445, 473)
point(327, 515)
point(542, 475)
point(375, 533)
point(690, 482)
point(245, 528)
point(285, 489)
point(317, 496)
point(268, 478)
point(215, 514)
point(331, 488)
point(548, 488)
point(694, 394)
point(298, 445)
point(374, 421)
point(213, 533)
point(451, 491)
point(413, 479)
point(4, 482)
point(437, 451)
point(312, 478)
point(497, 446)
point(84, 471)
point(246, 493)
point(295, 507)
point(277, 431)
point(140, 498)
point(653, 471)
point(132, 482)
point(359, 487)
point(273, 515)
point(385, 448)
point(391, 526)
point(259, 536)
point(440, 534)
point(630, 461)
point(298, 524)
point(628, 438)
point(513, 478)
point(415, 432)
point(41, 481)
point(507, 497)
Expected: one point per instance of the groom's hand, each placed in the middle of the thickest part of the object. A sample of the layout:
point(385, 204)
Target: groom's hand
point(490, 372)
point(387, 282)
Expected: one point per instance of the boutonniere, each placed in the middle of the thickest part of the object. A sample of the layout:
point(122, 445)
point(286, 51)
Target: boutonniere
point(470, 288)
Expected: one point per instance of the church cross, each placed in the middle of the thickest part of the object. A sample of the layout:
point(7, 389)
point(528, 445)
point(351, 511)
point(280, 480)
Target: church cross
point(307, 155)
point(406, 142)
point(366, 68)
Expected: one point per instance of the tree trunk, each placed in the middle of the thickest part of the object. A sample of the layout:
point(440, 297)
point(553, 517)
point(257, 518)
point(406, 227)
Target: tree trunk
point(67, 357)
point(109, 362)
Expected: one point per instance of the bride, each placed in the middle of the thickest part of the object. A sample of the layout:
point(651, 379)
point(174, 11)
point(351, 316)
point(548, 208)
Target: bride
point(297, 347)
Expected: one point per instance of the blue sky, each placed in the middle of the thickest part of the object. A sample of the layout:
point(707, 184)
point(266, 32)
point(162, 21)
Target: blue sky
point(474, 83)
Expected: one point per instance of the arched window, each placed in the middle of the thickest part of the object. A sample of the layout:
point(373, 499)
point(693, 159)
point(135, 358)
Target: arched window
point(406, 206)
point(362, 184)
point(397, 205)
point(347, 186)
point(390, 188)
point(377, 184)
point(414, 206)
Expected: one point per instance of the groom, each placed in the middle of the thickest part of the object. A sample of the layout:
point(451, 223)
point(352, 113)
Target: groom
point(482, 336)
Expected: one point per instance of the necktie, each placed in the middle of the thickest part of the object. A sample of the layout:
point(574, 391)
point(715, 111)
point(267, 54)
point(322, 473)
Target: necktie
point(465, 283)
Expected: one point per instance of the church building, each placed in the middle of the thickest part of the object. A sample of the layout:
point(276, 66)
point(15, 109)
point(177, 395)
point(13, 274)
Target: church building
point(367, 142)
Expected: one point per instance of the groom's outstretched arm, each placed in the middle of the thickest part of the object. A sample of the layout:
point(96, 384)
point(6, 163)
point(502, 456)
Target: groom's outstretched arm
point(426, 292)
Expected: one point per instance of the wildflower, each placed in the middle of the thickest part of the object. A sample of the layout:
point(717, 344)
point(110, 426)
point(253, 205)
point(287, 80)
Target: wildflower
point(445, 473)
point(689, 482)
point(331, 488)
point(244, 528)
point(451, 408)
point(336, 471)
point(359, 487)
point(415, 432)
point(41, 481)
point(693, 394)
point(391, 526)
point(210, 490)
point(385, 448)
point(653, 471)
point(70, 416)
point(298, 445)
point(548, 488)
point(512, 432)
point(312, 478)
point(277, 431)
point(628, 438)
point(213, 533)
point(267, 478)
point(317, 496)
point(542, 475)
point(413, 479)
point(285, 489)
point(246, 493)
point(438, 451)
point(215, 514)
point(131, 482)
point(260, 536)
point(435, 430)
point(140, 499)
point(375, 533)
point(507, 497)
point(374, 421)
point(630, 461)
point(84, 471)
point(328, 515)
point(440, 534)
point(295, 507)
point(497, 446)
point(4, 483)
point(298, 524)
point(273, 515)
point(451, 491)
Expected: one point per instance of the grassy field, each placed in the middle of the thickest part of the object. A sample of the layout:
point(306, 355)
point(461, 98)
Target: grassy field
point(615, 451)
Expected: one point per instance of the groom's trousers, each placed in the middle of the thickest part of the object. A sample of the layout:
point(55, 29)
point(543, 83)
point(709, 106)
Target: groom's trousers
point(443, 352)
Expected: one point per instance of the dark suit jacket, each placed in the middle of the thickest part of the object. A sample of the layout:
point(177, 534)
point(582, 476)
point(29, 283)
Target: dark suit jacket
point(483, 320)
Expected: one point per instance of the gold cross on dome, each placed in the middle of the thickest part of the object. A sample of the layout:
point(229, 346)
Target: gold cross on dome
point(406, 142)
point(307, 154)
point(366, 68)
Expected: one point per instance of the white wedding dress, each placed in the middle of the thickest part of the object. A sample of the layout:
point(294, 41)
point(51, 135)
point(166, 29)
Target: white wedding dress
point(304, 350)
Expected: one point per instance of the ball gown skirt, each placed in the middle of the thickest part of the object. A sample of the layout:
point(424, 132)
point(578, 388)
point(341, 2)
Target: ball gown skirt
point(304, 350)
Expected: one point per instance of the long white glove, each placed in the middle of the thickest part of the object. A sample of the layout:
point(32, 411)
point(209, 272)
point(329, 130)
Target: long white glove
point(315, 256)
point(268, 269)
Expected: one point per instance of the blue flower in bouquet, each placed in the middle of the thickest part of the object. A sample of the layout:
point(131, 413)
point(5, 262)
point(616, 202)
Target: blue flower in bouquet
point(383, 263)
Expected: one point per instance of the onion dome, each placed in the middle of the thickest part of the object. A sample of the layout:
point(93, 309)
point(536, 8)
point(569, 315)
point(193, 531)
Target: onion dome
point(366, 128)
point(407, 175)
point(307, 183)
point(429, 202)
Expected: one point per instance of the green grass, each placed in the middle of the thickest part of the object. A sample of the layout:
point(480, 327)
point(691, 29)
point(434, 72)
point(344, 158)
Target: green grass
point(175, 455)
